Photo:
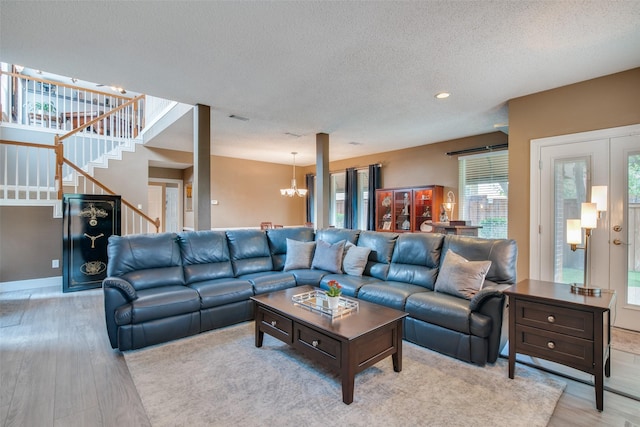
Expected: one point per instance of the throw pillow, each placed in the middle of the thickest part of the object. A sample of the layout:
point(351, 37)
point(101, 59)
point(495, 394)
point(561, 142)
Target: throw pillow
point(328, 257)
point(299, 254)
point(355, 259)
point(461, 277)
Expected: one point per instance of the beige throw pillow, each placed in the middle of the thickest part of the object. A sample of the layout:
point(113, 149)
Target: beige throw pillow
point(299, 255)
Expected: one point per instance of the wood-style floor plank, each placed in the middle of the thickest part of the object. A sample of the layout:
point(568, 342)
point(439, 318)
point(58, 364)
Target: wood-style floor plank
point(58, 369)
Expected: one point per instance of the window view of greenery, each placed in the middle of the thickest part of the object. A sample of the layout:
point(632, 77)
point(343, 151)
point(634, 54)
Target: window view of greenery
point(634, 225)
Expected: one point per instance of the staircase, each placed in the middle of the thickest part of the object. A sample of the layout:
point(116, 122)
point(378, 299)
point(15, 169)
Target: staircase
point(45, 152)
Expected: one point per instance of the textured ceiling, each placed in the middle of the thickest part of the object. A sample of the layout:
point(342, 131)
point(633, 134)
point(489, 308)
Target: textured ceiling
point(364, 72)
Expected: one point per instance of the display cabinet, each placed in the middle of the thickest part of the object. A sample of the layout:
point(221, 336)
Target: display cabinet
point(407, 209)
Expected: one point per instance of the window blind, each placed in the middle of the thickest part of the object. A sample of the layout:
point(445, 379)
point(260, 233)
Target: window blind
point(484, 190)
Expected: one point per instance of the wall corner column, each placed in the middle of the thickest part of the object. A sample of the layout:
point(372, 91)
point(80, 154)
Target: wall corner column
point(323, 185)
point(202, 167)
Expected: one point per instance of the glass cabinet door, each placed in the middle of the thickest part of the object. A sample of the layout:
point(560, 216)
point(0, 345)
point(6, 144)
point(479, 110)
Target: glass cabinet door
point(402, 209)
point(423, 211)
point(384, 210)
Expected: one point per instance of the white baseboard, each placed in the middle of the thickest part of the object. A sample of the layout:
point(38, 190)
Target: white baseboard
point(20, 285)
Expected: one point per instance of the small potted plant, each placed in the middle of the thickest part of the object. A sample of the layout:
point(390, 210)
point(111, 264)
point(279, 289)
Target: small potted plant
point(333, 294)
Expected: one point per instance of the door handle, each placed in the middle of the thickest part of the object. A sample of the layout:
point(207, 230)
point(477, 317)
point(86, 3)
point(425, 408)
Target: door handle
point(619, 242)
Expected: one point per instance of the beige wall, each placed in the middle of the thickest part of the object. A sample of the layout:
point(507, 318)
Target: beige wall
point(248, 191)
point(605, 102)
point(30, 237)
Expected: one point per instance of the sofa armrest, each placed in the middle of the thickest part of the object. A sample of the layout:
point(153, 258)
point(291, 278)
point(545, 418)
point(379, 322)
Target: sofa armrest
point(490, 302)
point(485, 294)
point(126, 289)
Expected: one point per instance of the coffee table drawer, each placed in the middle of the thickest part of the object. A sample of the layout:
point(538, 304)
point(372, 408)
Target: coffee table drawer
point(317, 346)
point(577, 323)
point(275, 325)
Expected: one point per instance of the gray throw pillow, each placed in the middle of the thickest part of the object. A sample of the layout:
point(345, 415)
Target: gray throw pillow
point(355, 259)
point(460, 277)
point(299, 254)
point(328, 257)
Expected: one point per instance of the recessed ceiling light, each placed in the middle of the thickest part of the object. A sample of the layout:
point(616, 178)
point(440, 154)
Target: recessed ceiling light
point(234, 116)
point(295, 135)
point(442, 95)
point(355, 143)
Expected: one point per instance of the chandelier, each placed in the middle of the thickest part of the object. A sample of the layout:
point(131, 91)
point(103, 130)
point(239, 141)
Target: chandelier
point(294, 190)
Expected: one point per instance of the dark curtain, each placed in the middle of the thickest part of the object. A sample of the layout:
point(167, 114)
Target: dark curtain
point(351, 199)
point(310, 181)
point(375, 179)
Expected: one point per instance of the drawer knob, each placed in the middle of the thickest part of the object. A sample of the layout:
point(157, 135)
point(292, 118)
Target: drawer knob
point(273, 323)
point(551, 345)
point(551, 318)
point(315, 343)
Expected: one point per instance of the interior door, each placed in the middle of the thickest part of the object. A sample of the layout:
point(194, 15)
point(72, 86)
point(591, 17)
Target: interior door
point(563, 171)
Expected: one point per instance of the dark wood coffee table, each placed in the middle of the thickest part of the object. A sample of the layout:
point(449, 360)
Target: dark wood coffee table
point(346, 345)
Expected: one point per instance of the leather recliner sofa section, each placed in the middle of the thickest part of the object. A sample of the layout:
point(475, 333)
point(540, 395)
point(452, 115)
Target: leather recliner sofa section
point(166, 286)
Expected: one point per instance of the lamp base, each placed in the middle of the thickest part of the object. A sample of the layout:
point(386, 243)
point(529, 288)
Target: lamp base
point(585, 290)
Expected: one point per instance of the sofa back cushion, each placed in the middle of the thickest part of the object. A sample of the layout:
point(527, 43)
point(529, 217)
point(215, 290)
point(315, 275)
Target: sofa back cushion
point(249, 250)
point(381, 245)
point(205, 255)
point(334, 235)
point(416, 258)
point(145, 260)
point(277, 238)
point(503, 254)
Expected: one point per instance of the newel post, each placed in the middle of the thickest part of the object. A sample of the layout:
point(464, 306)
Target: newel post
point(59, 149)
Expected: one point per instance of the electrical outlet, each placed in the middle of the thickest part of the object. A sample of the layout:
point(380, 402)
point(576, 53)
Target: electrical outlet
point(55, 263)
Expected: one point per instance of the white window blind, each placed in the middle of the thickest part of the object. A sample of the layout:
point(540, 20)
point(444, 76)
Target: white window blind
point(484, 190)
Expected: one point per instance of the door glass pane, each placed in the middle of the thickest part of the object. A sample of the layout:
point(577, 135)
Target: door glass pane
point(633, 229)
point(171, 212)
point(570, 191)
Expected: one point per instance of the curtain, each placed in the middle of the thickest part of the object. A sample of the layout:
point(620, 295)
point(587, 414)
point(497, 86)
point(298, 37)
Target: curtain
point(351, 199)
point(310, 181)
point(375, 179)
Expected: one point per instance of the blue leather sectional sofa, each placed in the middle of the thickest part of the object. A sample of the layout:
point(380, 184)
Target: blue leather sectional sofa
point(162, 287)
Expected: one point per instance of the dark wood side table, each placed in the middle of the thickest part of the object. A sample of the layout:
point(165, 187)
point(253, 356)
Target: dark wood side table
point(546, 320)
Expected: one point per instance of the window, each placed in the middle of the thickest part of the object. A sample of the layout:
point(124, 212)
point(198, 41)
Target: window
point(336, 207)
point(484, 190)
point(362, 199)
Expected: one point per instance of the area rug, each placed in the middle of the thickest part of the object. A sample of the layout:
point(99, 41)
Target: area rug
point(220, 378)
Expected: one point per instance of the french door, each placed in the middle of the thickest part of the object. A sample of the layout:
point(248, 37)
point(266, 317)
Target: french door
point(563, 171)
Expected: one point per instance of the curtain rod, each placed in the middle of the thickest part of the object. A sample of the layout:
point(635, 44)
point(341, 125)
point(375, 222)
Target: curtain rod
point(478, 149)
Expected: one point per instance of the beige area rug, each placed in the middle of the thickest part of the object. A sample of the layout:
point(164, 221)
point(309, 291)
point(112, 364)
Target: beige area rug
point(625, 340)
point(221, 379)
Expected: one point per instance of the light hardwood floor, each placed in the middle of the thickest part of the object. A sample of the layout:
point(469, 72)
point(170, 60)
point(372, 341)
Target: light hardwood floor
point(58, 369)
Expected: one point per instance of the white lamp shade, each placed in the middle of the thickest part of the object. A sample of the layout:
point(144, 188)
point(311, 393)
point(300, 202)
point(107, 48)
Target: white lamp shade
point(599, 197)
point(574, 232)
point(589, 216)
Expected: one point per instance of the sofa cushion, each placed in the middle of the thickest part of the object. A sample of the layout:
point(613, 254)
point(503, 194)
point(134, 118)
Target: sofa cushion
point(214, 293)
point(299, 254)
point(448, 312)
point(461, 277)
point(334, 235)
point(350, 284)
point(328, 257)
point(145, 260)
point(277, 238)
point(355, 259)
point(308, 276)
point(270, 281)
point(416, 258)
point(205, 255)
point(159, 303)
point(389, 294)
point(249, 250)
point(381, 245)
point(503, 254)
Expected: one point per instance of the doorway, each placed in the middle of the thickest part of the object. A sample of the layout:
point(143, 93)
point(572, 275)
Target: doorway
point(563, 171)
point(165, 202)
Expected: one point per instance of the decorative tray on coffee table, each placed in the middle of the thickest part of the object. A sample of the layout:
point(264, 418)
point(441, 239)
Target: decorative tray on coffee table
point(316, 300)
